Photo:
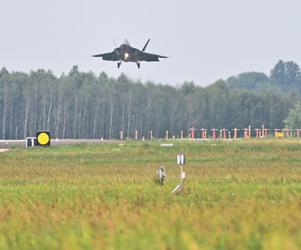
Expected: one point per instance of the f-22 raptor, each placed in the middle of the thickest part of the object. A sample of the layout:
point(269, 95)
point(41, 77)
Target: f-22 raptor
point(126, 53)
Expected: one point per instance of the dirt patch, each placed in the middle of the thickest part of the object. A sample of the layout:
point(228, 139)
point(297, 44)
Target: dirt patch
point(2, 150)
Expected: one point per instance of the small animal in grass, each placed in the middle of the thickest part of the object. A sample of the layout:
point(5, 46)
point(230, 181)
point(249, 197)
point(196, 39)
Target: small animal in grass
point(161, 175)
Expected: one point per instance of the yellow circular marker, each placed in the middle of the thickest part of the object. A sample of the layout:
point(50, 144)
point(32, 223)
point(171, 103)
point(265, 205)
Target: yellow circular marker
point(43, 138)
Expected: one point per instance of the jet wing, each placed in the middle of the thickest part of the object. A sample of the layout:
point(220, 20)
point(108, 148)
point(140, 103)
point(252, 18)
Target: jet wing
point(109, 56)
point(150, 57)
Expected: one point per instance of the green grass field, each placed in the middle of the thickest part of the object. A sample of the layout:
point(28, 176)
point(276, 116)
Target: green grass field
point(238, 195)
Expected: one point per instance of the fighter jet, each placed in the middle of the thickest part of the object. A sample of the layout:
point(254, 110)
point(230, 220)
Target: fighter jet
point(127, 53)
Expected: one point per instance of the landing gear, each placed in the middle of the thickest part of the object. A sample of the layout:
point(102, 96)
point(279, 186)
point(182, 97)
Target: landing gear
point(118, 64)
point(138, 65)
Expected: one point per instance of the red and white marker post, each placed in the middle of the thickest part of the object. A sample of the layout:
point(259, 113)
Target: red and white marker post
point(246, 132)
point(204, 133)
point(257, 131)
point(235, 133)
point(192, 132)
point(214, 133)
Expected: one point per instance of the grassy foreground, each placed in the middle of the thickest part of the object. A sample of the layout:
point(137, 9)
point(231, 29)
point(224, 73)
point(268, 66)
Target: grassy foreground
point(238, 195)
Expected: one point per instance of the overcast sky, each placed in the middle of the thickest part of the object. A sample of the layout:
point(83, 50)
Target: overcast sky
point(206, 40)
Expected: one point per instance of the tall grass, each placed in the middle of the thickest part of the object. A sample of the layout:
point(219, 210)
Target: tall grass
point(237, 195)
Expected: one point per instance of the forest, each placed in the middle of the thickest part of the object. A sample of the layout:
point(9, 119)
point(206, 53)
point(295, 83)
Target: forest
point(85, 105)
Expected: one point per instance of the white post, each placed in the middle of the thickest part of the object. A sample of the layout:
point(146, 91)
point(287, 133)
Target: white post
point(181, 176)
point(136, 134)
point(180, 162)
point(249, 131)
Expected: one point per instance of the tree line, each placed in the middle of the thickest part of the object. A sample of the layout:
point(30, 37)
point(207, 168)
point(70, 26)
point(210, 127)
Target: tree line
point(83, 105)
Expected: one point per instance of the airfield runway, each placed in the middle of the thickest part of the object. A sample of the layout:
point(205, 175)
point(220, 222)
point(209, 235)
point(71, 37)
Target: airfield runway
point(5, 144)
point(2, 150)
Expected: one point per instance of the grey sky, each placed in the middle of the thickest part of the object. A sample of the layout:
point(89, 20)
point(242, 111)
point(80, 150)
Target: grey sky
point(206, 40)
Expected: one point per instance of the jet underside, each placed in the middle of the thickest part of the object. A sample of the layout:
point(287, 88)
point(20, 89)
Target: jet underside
point(126, 53)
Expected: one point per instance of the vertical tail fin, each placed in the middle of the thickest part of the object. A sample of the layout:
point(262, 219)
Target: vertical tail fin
point(145, 45)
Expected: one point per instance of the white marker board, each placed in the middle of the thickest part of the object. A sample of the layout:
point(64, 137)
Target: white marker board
point(181, 159)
